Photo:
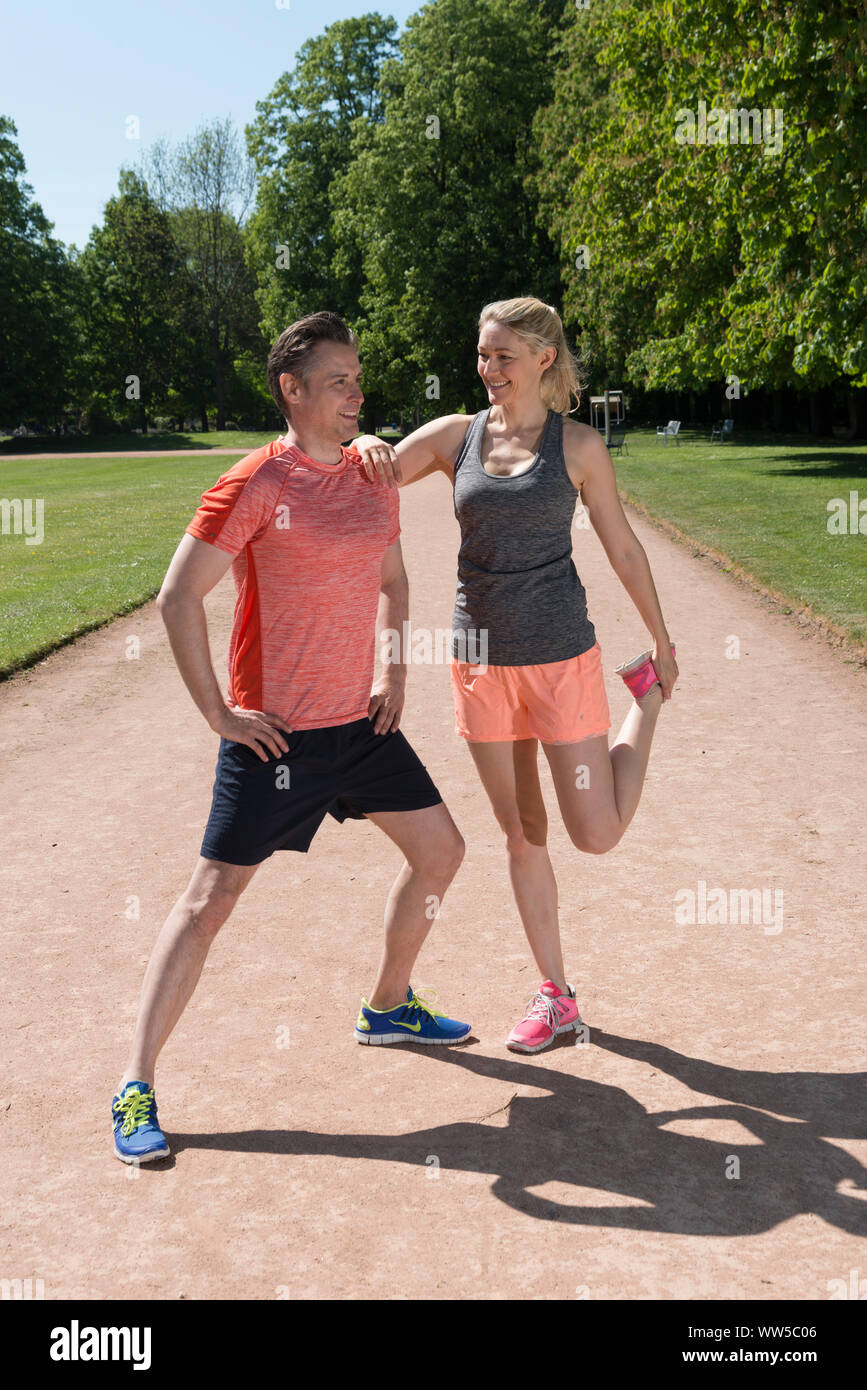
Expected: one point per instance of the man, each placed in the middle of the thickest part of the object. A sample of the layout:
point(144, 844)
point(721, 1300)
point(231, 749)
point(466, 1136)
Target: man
point(316, 558)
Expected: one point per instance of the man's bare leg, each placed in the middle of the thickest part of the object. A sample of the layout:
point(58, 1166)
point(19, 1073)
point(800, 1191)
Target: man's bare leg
point(178, 957)
point(433, 849)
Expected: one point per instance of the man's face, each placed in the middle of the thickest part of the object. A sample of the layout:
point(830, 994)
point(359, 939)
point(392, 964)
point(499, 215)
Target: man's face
point(326, 403)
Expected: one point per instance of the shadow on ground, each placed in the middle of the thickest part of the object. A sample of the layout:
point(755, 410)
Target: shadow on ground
point(590, 1135)
point(814, 464)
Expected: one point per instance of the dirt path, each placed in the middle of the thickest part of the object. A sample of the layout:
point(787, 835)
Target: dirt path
point(324, 1169)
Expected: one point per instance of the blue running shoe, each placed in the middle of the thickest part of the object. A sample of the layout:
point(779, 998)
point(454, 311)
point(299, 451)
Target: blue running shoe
point(137, 1135)
point(414, 1021)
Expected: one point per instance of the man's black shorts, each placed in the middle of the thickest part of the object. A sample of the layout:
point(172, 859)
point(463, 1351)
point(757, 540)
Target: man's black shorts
point(345, 770)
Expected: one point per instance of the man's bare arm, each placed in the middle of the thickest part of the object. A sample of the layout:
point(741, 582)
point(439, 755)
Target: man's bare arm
point(195, 569)
point(389, 691)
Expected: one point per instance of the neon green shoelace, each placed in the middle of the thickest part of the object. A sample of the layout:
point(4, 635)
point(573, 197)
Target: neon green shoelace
point(420, 1001)
point(135, 1107)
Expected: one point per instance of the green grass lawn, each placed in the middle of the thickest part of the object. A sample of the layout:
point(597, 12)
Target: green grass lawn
point(765, 506)
point(111, 526)
point(92, 444)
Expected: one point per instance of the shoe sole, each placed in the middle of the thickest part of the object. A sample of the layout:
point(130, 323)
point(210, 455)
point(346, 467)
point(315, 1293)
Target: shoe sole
point(540, 1047)
point(627, 668)
point(142, 1158)
point(382, 1039)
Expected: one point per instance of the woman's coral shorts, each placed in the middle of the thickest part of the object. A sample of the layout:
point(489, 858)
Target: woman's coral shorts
point(557, 702)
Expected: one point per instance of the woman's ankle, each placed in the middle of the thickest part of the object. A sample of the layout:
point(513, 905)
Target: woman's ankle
point(652, 702)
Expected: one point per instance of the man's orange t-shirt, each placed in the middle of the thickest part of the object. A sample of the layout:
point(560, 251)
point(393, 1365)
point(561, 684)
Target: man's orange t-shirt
point(308, 541)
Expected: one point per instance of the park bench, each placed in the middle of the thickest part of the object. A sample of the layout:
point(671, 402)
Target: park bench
point(722, 430)
point(618, 442)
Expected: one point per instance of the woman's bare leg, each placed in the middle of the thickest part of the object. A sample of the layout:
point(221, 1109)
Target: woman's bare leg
point(598, 789)
point(510, 776)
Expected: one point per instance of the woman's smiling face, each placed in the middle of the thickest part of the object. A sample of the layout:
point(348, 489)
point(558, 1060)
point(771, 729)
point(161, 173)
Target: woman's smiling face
point(507, 365)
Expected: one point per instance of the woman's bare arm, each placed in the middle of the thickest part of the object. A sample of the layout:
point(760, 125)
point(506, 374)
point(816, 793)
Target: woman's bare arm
point(429, 449)
point(591, 471)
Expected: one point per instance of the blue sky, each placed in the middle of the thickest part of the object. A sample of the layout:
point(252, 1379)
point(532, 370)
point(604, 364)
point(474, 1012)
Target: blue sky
point(72, 73)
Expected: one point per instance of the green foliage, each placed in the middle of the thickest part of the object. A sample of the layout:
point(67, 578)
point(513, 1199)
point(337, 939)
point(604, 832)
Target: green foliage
point(301, 143)
point(406, 183)
point(206, 185)
point(35, 297)
point(604, 315)
point(131, 280)
point(434, 202)
point(722, 258)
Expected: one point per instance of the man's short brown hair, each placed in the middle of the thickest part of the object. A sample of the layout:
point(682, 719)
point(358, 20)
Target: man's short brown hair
point(294, 349)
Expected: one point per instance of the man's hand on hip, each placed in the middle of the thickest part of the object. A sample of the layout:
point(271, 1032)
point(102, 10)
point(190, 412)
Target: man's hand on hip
point(259, 731)
point(386, 703)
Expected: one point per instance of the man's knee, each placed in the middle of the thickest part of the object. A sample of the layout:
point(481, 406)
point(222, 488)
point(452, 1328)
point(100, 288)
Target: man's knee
point(442, 853)
point(452, 851)
point(211, 898)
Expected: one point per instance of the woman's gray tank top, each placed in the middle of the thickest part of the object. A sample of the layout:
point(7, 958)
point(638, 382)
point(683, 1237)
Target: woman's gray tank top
point(518, 589)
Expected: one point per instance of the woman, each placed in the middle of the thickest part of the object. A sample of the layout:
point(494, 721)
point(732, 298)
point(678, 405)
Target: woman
point(516, 470)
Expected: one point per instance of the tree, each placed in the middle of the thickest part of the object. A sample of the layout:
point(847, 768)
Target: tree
point(301, 144)
point(565, 130)
point(35, 306)
point(206, 186)
point(721, 258)
point(435, 201)
point(130, 280)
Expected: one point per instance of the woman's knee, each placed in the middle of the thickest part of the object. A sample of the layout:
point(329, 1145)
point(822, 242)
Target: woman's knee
point(524, 833)
point(596, 839)
point(535, 827)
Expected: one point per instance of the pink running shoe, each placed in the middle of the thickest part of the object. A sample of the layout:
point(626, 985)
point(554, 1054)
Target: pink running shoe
point(548, 1013)
point(640, 675)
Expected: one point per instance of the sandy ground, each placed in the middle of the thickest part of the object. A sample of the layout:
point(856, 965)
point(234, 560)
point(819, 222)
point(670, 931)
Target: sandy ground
point(323, 1169)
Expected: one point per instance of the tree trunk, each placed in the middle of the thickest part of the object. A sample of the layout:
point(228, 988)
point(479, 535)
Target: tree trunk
point(856, 400)
point(219, 383)
point(142, 417)
point(819, 412)
point(203, 412)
